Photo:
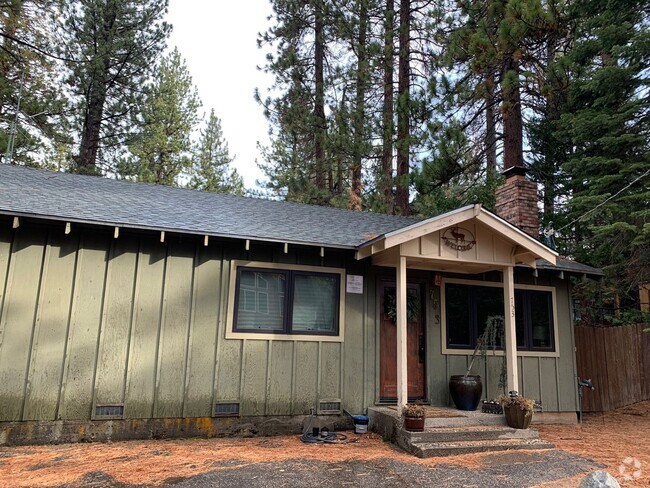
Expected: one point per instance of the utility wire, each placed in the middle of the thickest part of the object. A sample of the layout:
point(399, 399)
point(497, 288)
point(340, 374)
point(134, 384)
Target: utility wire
point(603, 203)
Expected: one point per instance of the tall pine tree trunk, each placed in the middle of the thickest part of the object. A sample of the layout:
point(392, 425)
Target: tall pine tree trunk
point(403, 108)
point(360, 108)
point(386, 176)
point(548, 178)
point(86, 159)
point(490, 113)
point(512, 121)
point(490, 128)
point(319, 100)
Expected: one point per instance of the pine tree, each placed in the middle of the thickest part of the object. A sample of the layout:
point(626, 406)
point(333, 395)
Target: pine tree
point(605, 127)
point(295, 161)
point(385, 172)
point(31, 101)
point(162, 149)
point(359, 121)
point(211, 169)
point(404, 108)
point(118, 42)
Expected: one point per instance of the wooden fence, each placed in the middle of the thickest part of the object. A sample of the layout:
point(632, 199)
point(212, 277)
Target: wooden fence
point(617, 360)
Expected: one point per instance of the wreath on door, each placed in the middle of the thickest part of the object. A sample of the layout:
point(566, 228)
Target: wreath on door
point(412, 305)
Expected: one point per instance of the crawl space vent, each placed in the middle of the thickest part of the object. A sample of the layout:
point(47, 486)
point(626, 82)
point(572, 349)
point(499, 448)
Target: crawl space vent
point(329, 407)
point(226, 409)
point(109, 411)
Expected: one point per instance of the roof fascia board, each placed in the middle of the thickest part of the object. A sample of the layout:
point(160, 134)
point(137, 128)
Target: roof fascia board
point(517, 235)
point(121, 225)
point(531, 247)
point(567, 272)
point(417, 227)
point(416, 230)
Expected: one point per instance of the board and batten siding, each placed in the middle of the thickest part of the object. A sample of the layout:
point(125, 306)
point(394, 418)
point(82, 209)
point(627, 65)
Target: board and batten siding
point(549, 379)
point(87, 320)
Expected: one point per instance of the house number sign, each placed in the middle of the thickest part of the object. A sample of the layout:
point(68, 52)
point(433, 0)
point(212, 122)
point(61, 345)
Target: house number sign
point(458, 238)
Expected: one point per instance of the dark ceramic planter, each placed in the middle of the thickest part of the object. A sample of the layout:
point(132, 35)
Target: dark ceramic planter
point(516, 417)
point(466, 391)
point(414, 424)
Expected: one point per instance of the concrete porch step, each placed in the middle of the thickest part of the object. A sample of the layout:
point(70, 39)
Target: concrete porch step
point(470, 433)
point(454, 434)
point(467, 419)
point(433, 449)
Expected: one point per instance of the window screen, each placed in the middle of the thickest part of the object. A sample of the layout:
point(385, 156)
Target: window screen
point(261, 300)
point(315, 302)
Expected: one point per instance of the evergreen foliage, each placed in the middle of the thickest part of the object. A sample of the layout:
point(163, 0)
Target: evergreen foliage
point(111, 46)
point(604, 127)
point(31, 102)
point(409, 106)
point(162, 150)
point(450, 92)
point(334, 133)
point(211, 169)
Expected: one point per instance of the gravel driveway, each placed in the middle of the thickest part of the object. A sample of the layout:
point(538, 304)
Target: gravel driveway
point(510, 469)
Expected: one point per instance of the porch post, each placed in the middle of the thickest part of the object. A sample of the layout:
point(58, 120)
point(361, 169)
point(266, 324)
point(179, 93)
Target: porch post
point(400, 299)
point(510, 328)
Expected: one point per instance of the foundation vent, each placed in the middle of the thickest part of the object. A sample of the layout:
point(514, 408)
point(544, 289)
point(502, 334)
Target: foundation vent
point(329, 407)
point(226, 409)
point(113, 411)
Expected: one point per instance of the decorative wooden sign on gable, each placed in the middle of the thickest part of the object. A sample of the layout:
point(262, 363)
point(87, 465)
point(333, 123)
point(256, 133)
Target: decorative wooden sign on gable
point(458, 238)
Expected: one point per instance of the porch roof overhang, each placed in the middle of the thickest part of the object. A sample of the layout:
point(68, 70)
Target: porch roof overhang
point(467, 240)
point(496, 244)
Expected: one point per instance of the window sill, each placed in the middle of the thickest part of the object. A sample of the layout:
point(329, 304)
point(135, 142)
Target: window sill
point(533, 354)
point(283, 337)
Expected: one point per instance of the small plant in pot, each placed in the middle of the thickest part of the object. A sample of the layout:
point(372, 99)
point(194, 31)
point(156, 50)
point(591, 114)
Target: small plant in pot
point(517, 409)
point(414, 416)
point(466, 389)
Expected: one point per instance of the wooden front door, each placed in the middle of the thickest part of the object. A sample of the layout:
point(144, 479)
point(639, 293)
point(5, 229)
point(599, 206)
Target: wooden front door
point(415, 348)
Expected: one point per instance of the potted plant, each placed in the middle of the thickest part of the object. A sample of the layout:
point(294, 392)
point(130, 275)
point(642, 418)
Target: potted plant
point(517, 409)
point(466, 389)
point(414, 416)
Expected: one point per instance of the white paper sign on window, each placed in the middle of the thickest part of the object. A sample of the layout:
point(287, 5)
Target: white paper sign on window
point(354, 284)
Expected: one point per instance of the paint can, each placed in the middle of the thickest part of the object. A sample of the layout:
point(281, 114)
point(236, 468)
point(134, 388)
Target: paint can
point(360, 424)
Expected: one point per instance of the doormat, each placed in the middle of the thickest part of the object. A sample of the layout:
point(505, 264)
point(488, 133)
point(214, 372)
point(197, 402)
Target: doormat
point(436, 412)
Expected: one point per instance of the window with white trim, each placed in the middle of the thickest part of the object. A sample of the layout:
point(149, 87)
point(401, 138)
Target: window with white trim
point(284, 301)
point(467, 308)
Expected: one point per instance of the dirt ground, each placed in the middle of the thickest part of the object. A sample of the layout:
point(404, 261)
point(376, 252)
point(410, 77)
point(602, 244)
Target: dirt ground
point(610, 439)
point(619, 439)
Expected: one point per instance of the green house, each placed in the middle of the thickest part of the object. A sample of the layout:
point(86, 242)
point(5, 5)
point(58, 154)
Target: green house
point(133, 310)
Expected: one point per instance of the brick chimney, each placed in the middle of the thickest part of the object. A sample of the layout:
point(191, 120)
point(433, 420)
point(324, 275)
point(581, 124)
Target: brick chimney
point(516, 201)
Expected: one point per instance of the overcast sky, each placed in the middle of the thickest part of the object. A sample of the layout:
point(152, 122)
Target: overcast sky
point(218, 39)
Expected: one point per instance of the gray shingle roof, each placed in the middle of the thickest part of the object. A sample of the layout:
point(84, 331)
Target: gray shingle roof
point(88, 199)
point(570, 266)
